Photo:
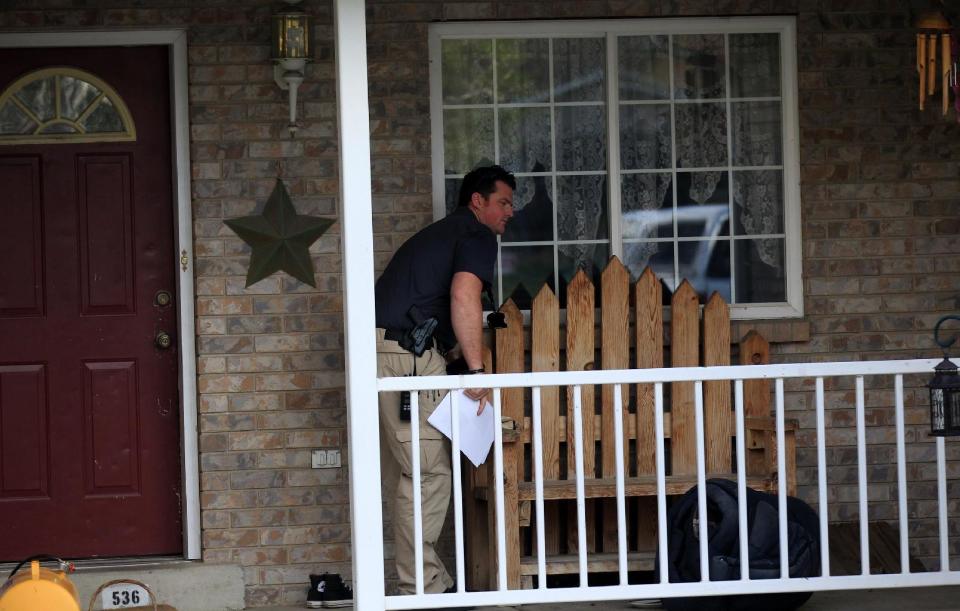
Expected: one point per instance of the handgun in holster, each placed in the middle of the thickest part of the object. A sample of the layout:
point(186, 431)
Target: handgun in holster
point(418, 338)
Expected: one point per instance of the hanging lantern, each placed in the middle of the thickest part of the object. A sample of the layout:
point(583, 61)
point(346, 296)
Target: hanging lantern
point(933, 40)
point(944, 390)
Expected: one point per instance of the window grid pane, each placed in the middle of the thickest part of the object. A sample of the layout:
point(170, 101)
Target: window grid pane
point(63, 105)
point(716, 139)
point(543, 118)
point(702, 152)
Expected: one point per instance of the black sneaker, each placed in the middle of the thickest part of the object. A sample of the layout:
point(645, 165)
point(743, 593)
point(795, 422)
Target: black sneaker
point(315, 594)
point(335, 593)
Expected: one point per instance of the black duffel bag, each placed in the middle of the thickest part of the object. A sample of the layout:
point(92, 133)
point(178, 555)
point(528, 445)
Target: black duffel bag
point(803, 544)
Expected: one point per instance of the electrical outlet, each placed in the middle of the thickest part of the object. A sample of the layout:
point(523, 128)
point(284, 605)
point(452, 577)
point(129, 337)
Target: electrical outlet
point(325, 459)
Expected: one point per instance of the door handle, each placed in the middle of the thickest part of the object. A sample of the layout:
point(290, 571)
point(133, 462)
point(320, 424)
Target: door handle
point(163, 340)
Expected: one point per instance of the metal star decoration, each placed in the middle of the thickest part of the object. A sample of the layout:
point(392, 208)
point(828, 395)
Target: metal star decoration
point(280, 238)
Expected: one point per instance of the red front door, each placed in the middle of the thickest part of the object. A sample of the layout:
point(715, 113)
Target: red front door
point(89, 410)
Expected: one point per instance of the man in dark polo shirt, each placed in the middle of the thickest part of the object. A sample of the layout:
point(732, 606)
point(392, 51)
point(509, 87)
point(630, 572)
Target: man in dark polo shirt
point(435, 280)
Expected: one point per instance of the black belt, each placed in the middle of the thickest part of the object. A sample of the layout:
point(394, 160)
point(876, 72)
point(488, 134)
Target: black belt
point(397, 335)
point(393, 334)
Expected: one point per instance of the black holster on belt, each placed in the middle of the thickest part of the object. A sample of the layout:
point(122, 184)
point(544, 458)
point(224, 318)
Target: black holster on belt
point(420, 337)
point(417, 340)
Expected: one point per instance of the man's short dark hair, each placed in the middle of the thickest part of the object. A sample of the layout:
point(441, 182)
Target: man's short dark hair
point(484, 181)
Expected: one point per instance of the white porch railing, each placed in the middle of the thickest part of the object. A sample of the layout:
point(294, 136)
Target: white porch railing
point(658, 377)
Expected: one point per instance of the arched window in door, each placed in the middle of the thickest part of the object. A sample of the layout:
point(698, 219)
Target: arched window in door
point(63, 104)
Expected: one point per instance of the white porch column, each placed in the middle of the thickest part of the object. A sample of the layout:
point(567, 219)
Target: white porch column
point(353, 110)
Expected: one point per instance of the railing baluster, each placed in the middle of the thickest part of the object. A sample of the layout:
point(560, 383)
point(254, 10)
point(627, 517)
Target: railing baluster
point(417, 506)
point(701, 482)
point(498, 478)
point(621, 503)
point(538, 482)
point(457, 487)
point(503, 595)
point(942, 504)
point(744, 532)
point(822, 483)
point(862, 480)
point(901, 476)
point(661, 482)
point(782, 481)
point(581, 502)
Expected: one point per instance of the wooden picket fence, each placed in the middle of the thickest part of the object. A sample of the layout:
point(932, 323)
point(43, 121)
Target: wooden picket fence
point(580, 352)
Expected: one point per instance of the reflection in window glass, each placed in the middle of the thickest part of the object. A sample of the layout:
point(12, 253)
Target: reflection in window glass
point(104, 118)
point(467, 71)
point(756, 133)
point(719, 264)
point(758, 202)
point(698, 66)
point(581, 138)
point(702, 203)
point(701, 135)
point(532, 211)
point(698, 188)
point(525, 139)
point(701, 174)
point(15, 121)
point(759, 269)
point(578, 69)
point(467, 139)
point(523, 70)
point(644, 67)
point(646, 204)
point(754, 65)
point(582, 207)
point(524, 270)
point(38, 97)
point(644, 136)
point(75, 97)
point(694, 259)
point(452, 192)
point(51, 103)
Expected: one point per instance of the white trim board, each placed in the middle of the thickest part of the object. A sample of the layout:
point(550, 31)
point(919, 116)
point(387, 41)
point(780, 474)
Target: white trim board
point(176, 41)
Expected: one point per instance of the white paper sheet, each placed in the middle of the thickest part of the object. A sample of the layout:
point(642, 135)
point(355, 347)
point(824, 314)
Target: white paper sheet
point(476, 432)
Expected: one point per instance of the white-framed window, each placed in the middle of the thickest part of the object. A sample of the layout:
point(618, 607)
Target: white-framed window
point(670, 143)
point(66, 105)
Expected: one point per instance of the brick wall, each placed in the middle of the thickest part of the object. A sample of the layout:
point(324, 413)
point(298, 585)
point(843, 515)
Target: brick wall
point(880, 206)
point(880, 244)
point(270, 358)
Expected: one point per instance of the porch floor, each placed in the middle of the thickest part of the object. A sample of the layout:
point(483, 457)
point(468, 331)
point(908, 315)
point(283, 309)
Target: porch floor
point(902, 599)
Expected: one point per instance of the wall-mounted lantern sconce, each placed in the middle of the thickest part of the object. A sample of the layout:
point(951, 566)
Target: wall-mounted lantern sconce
point(944, 389)
point(291, 52)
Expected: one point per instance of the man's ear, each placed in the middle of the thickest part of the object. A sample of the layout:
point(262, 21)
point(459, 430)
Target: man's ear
point(476, 200)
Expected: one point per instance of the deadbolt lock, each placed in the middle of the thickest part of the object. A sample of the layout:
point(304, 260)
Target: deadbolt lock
point(162, 298)
point(163, 340)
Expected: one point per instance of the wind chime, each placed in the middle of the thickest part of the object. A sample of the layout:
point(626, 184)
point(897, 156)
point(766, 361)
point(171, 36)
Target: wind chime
point(933, 41)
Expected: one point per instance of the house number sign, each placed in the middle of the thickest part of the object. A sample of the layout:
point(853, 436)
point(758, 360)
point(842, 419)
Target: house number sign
point(124, 595)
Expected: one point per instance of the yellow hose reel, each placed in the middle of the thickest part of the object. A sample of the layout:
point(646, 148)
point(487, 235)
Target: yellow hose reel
point(40, 588)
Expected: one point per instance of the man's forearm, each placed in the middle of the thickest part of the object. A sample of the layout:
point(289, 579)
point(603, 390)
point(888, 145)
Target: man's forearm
point(466, 314)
